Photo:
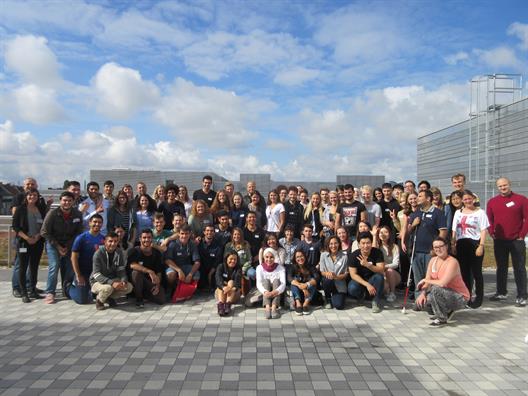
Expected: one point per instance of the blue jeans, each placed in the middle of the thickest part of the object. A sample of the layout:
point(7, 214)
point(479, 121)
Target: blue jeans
point(419, 268)
point(298, 294)
point(252, 273)
point(356, 290)
point(55, 263)
point(81, 294)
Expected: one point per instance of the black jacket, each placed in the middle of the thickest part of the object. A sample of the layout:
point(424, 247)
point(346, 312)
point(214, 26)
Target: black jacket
point(20, 219)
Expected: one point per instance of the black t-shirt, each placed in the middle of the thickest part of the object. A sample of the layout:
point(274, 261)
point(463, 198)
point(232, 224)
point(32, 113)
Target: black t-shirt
point(375, 256)
point(211, 254)
point(169, 209)
point(254, 238)
point(208, 198)
point(294, 216)
point(386, 208)
point(312, 251)
point(351, 215)
point(223, 236)
point(152, 262)
point(182, 254)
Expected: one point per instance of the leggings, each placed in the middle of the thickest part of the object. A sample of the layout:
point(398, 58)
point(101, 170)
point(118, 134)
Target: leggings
point(471, 268)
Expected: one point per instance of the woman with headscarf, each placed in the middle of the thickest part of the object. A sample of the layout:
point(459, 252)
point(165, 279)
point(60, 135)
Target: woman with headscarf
point(271, 282)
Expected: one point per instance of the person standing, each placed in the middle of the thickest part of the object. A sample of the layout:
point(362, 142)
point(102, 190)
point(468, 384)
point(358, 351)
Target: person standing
point(206, 193)
point(508, 217)
point(350, 212)
point(27, 222)
point(60, 227)
point(43, 205)
point(469, 234)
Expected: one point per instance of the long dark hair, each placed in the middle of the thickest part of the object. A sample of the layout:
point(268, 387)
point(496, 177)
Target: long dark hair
point(300, 269)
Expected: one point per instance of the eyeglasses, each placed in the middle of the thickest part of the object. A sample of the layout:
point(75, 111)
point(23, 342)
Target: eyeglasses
point(438, 247)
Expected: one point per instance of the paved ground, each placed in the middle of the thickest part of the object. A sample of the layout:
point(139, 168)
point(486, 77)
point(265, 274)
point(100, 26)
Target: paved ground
point(186, 349)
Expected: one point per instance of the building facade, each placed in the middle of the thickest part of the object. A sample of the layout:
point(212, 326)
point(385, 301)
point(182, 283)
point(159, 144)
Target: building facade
point(481, 157)
point(193, 180)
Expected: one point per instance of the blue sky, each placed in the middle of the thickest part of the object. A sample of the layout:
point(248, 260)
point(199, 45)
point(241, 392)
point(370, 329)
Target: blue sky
point(301, 90)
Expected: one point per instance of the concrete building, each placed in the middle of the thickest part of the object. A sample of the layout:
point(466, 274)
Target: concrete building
point(193, 180)
point(483, 148)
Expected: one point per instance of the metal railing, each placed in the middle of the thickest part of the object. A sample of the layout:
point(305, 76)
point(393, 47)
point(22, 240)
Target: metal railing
point(6, 231)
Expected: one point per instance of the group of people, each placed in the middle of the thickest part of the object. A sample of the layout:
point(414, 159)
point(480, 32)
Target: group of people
point(291, 248)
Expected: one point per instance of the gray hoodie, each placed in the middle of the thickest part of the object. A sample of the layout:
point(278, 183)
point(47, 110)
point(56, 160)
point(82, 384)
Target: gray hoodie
point(106, 272)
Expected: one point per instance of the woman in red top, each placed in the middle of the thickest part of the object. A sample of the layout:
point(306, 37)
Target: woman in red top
point(442, 287)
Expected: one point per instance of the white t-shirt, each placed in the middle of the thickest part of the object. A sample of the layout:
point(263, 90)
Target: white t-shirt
point(469, 225)
point(273, 215)
point(373, 212)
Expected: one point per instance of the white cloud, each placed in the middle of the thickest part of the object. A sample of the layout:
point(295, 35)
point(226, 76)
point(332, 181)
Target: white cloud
point(121, 92)
point(500, 57)
point(134, 29)
point(358, 36)
point(521, 31)
point(454, 59)
point(36, 105)
point(296, 75)
point(221, 53)
point(209, 115)
point(56, 159)
point(31, 58)
point(16, 143)
point(378, 132)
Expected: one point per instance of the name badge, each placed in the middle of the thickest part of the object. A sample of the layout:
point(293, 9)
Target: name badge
point(510, 204)
point(22, 250)
point(240, 252)
point(76, 220)
point(311, 248)
point(429, 216)
point(212, 254)
point(178, 253)
point(292, 213)
point(387, 210)
point(242, 215)
point(209, 199)
point(224, 275)
point(257, 236)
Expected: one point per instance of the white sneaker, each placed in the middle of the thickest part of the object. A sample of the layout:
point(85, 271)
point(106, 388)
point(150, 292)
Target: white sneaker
point(391, 297)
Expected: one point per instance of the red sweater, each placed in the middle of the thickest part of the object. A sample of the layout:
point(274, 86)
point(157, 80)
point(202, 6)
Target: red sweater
point(508, 216)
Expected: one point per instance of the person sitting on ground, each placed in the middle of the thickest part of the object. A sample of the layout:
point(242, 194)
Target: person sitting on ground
point(303, 281)
point(148, 271)
point(271, 282)
point(108, 279)
point(183, 259)
point(391, 258)
point(333, 267)
point(228, 283)
point(443, 287)
point(366, 269)
point(242, 248)
point(83, 249)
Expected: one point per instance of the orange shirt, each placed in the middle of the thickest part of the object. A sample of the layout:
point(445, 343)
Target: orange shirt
point(456, 284)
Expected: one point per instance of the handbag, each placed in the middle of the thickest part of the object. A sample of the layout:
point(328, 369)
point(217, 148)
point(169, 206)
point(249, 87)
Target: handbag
point(184, 291)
